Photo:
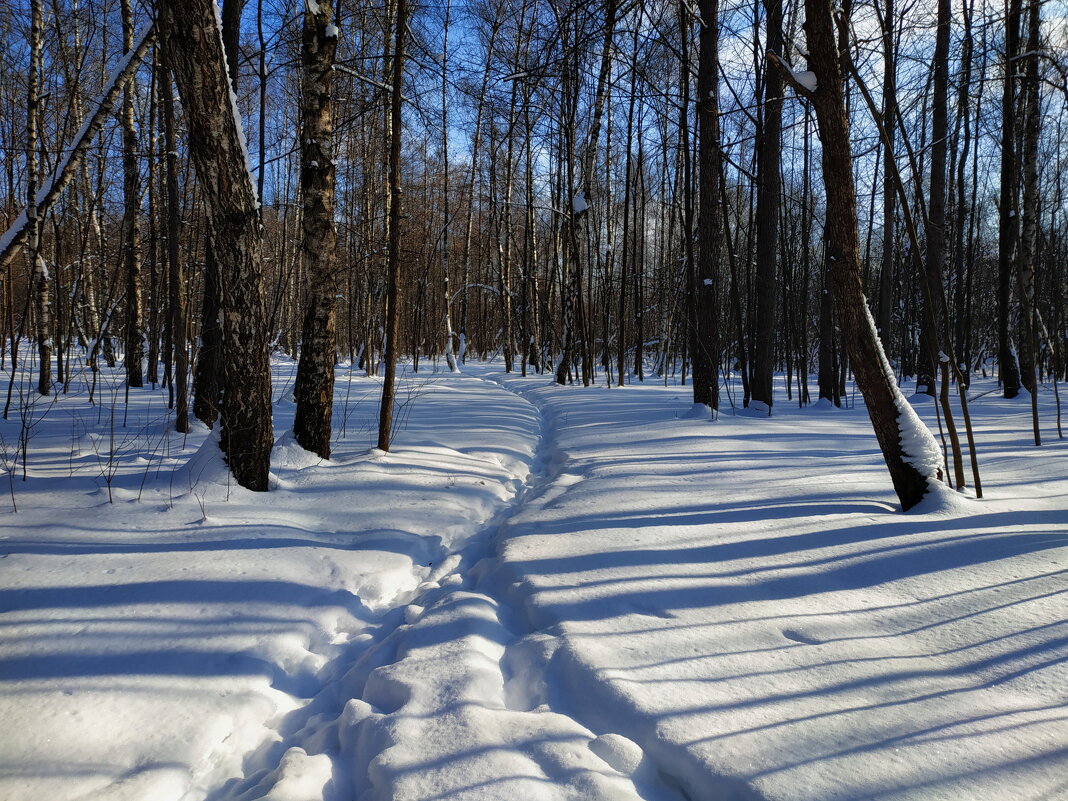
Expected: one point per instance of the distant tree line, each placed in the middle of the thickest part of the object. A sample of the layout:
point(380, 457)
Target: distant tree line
point(610, 192)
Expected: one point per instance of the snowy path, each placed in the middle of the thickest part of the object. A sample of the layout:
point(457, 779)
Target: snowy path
point(451, 703)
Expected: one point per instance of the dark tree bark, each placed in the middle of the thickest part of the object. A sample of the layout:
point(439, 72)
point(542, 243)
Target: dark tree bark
point(886, 276)
point(827, 370)
point(393, 299)
point(231, 36)
point(1008, 234)
point(962, 266)
point(934, 313)
point(573, 317)
point(911, 454)
point(709, 219)
point(208, 375)
point(131, 248)
point(767, 215)
point(450, 336)
point(1028, 250)
point(216, 146)
point(314, 389)
point(155, 301)
point(207, 379)
point(939, 346)
point(628, 184)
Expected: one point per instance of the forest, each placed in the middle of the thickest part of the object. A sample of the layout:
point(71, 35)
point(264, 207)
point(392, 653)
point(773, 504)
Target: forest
point(496, 398)
point(608, 192)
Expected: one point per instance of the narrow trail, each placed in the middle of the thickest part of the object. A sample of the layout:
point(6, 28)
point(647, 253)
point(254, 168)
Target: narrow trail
point(447, 698)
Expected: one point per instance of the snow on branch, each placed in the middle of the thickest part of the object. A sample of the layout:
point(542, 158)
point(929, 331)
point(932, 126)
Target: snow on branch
point(804, 81)
point(234, 112)
point(65, 167)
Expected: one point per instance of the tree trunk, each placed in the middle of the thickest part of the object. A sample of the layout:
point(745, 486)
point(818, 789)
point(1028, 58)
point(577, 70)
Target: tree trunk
point(217, 149)
point(709, 220)
point(962, 267)
point(34, 214)
point(1028, 250)
point(767, 215)
point(207, 378)
point(910, 452)
point(1008, 235)
point(450, 336)
point(385, 417)
point(179, 345)
point(131, 250)
point(314, 389)
point(886, 276)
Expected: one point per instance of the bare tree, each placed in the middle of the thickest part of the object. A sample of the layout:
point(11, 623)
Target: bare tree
point(910, 452)
point(179, 344)
point(34, 214)
point(1008, 209)
point(216, 145)
point(1028, 247)
point(131, 251)
point(314, 390)
point(709, 221)
point(393, 292)
point(769, 143)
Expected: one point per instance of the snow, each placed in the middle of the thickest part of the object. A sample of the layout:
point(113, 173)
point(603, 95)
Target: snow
point(235, 112)
point(919, 447)
point(540, 593)
point(806, 78)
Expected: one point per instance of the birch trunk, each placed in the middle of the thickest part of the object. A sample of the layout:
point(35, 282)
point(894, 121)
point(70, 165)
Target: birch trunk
point(314, 390)
point(216, 146)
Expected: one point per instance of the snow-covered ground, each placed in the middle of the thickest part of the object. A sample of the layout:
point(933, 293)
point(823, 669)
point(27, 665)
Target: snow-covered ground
point(540, 593)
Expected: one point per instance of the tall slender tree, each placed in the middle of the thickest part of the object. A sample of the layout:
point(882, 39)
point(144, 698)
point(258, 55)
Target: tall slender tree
point(314, 390)
point(179, 341)
point(131, 248)
point(34, 214)
point(709, 220)
point(910, 452)
point(393, 267)
point(1028, 249)
point(769, 143)
point(1008, 208)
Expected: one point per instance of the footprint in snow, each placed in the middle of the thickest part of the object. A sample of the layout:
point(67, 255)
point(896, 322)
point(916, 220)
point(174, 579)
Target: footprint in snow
point(801, 637)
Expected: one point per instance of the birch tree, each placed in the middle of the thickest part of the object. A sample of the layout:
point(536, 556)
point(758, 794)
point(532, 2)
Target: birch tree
point(192, 35)
point(314, 390)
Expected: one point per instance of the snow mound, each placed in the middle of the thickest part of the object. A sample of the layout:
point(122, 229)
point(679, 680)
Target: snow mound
point(300, 777)
point(697, 411)
point(288, 454)
point(206, 475)
point(942, 501)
